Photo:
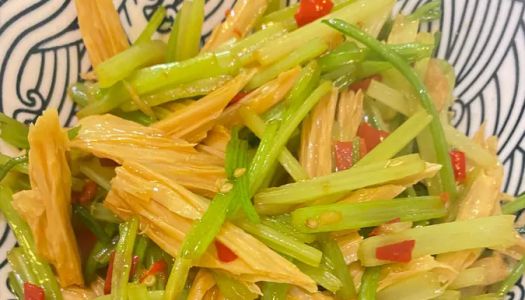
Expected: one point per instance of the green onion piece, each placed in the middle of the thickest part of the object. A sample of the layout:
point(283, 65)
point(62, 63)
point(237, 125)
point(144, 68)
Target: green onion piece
point(487, 232)
point(283, 243)
point(344, 181)
point(428, 12)
point(303, 54)
point(261, 163)
point(156, 20)
point(121, 65)
point(103, 255)
point(91, 265)
point(81, 213)
point(398, 139)
point(13, 132)
point(438, 136)
point(411, 52)
point(177, 278)
point(12, 163)
point(333, 253)
point(137, 292)
point(44, 275)
point(189, 22)
point(20, 265)
point(343, 216)
point(140, 247)
point(511, 280)
point(21, 167)
point(122, 261)
point(275, 291)
point(514, 206)
point(232, 153)
point(292, 117)
point(107, 100)
point(369, 283)
point(344, 54)
point(232, 289)
point(322, 275)
point(16, 283)
point(101, 213)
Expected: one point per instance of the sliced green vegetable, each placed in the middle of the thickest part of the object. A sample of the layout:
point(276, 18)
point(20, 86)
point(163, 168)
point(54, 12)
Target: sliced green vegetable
point(428, 12)
point(16, 283)
point(19, 263)
point(13, 132)
point(322, 275)
point(506, 285)
point(232, 289)
point(81, 213)
point(514, 206)
point(177, 278)
point(12, 163)
point(189, 19)
point(123, 257)
point(333, 253)
point(275, 291)
point(153, 24)
point(369, 283)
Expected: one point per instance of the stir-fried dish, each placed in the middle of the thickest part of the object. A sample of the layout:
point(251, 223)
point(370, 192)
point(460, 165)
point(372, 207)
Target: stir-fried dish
point(300, 152)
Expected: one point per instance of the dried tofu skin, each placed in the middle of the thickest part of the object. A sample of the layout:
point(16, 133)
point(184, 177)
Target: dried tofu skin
point(47, 206)
point(108, 136)
point(239, 22)
point(194, 121)
point(216, 142)
point(263, 98)
point(295, 293)
point(167, 211)
point(202, 283)
point(349, 114)
point(349, 244)
point(101, 29)
point(316, 137)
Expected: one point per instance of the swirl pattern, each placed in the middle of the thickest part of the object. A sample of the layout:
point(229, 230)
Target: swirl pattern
point(41, 54)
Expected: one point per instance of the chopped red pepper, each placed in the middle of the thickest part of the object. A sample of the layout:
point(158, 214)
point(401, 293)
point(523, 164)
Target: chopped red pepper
point(237, 98)
point(459, 165)
point(224, 253)
point(109, 274)
point(134, 263)
point(364, 84)
point(343, 155)
point(398, 252)
point(157, 267)
point(311, 10)
point(33, 292)
point(371, 135)
point(377, 230)
point(88, 193)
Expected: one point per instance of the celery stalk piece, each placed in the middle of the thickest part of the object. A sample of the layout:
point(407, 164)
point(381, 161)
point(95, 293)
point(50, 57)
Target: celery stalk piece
point(20, 265)
point(123, 64)
point(153, 24)
point(424, 285)
point(17, 163)
point(191, 17)
point(469, 277)
point(91, 265)
point(369, 283)
point(344, 181)
point(487, 232)
point(428, 12)
point(149, 79)
point(301, 55)
point(13, 132)
point(438, 137)
point(449, 295)
point(231, 288)
point(287, 160)
point(43, 272)
point(261, 163)
point(282, 223)
point(122, 260)
point(81, 213)
point(177, 279)
point(274, 291)
point(101, 213)
point(344, 216)
point(322, 275)
point(16, 283)
point(356, 11)
point(285, 14)
point(173, 39)
point(283, 243)
point(152, 295)
point(110, 99)
point(291, 119)
point(388, 96)
point(514, 206)
point(506, 285)
point(185, 90)
point(332, 252)
point(398, 139)
point(308, 80)
point(411, 52)
point(275, 5)
point(137, 292)
point(346, 53)
point(472, 150)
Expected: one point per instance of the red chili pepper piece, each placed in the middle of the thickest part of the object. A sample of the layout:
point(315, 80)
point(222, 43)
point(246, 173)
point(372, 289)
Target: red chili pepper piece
point(109, 274)
point(224, 253)
point(134, 263)
point(311, 10)
point(364, 84)
point(89, 192)
point(371, 135)
point(157, 267)
point(33, 292)
point(459, 165)
point(343, 155)
point(398, 252)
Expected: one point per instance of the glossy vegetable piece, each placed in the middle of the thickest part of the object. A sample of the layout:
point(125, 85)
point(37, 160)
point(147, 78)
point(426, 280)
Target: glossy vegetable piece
point(33, 292)
point(398, 252)
point(459, 165)
point(311, 10)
